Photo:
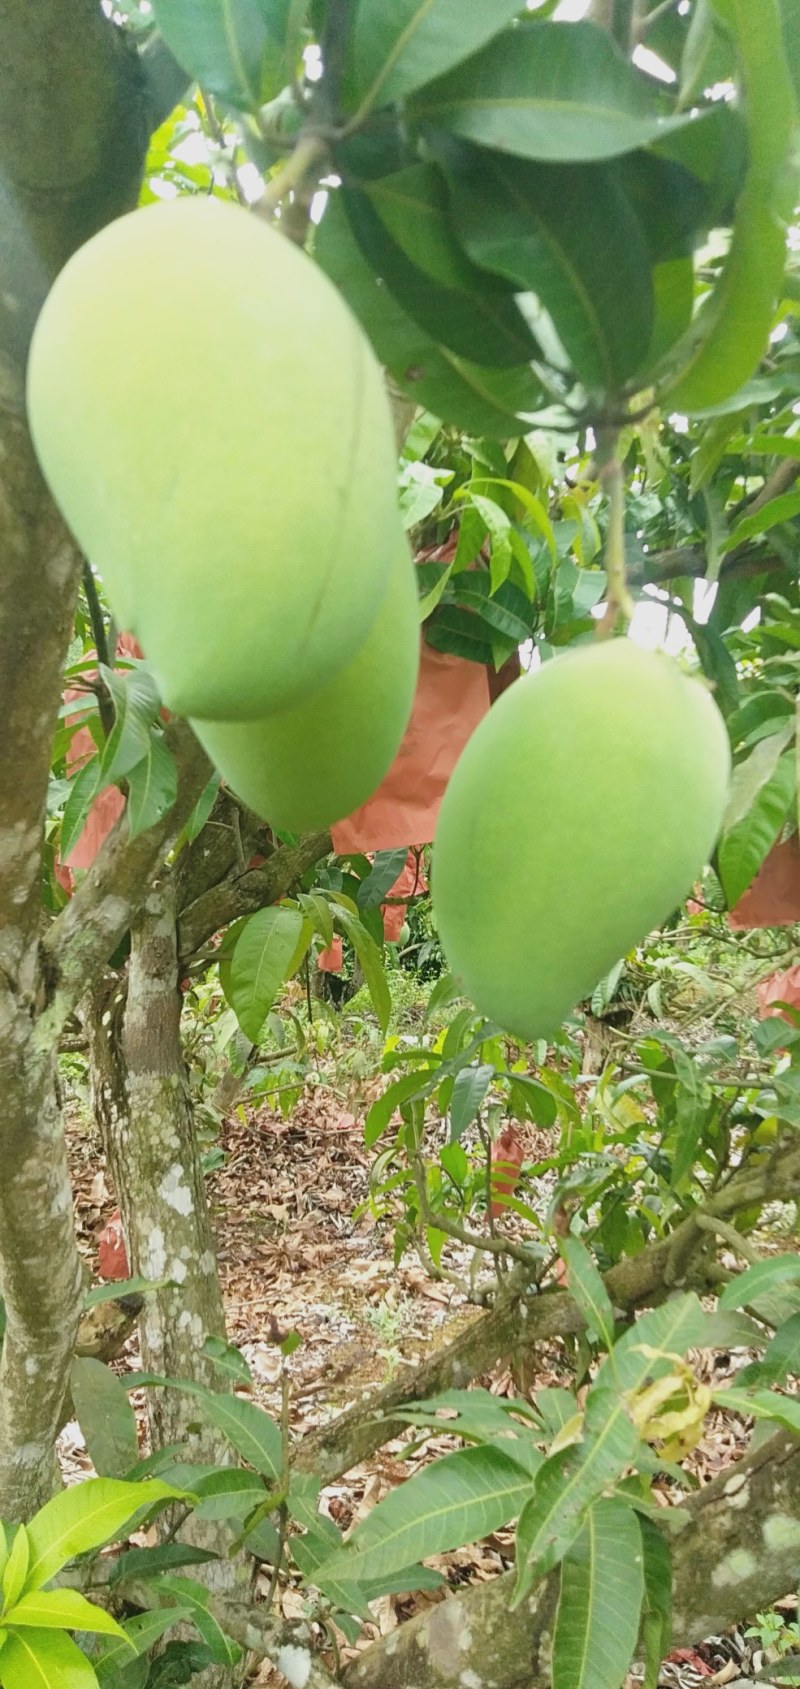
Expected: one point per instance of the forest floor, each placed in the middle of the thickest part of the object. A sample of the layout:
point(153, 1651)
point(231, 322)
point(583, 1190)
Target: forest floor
point(298, 1251)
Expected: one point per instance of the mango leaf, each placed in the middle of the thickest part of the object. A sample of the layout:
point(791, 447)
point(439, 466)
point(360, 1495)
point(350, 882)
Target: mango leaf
point(47, 1660)
point(259, 965)
point(398, 45)
point(112, 1292)
point(469, 1089)
point(152, 786)
point(202, 809)
point(728, 337)
point(587, 1289)
point(162, 1557)
point(657, 1616)
point(317, 909)
point(136, 706)
point(388, 864)
point(600, 1600)
point(774, 511)
point(745, 844)
point(82, 792)
point(248, 1428)
point(567, 1485)
point(499, 404)
point(85, 1517)
point(457, 1500)
point(745, 1289)
point(781, 1358)
point(140, 1632)
point(480, 319)
point(371, 962)
point(105, 1416)
point(671, 1329)
point(61, 1609)
point(762, 1404)
point(559, 92)
point(477, 1416)
point(195, 1598)
point(407, 1089)
point(15, 1571)
point(545, 228)
point(692, 1103)
point(237, 49)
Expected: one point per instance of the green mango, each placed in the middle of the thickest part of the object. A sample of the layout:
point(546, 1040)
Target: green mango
point(577, 818)
point(310, 765)
point(214, 426)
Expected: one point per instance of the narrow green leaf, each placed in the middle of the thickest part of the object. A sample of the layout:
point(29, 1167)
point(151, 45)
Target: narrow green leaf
point(457, 1500)
point(743, 1290)
point(745, 844)
point(192, 1595)
point(560, 92)
point(140, 1632)
point(15, 1571)
point(136, 707)
point(61, 1609)
point(82, 792)
point(567, 1485)
point(317, 909)
point(781, 1358)
point(774, 511)
point(762, 1404)
point(105, 1416)
point(497, 403)
point(469, 1089)
point(587, 1288)
point(46, 1660)
point(729, 335)
point(398, 45)
point(85, 1517)
point(371, 962)
point(657, 1627)
point(248, 1428)
point(388, 864)
point(600, 1600)
point(237, 49)
point(671, 1329)
point(546, 228)
point(260, 963)
point(152, 786)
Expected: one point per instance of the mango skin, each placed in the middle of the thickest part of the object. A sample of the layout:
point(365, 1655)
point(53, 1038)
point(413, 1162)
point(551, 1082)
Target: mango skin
point(214, 426)
point(310, 765)
point(577, 817)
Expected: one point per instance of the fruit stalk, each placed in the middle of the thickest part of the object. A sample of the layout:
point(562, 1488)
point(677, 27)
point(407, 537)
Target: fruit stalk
point(620, 602)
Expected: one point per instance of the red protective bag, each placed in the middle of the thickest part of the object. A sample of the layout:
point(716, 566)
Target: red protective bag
point(773, 899)
point(507, 1156)
point(452, 697)
point(112, 1256)
point(109, 804)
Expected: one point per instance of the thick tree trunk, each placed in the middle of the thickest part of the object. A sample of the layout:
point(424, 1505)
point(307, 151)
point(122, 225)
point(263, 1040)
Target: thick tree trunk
point(142, 1103)
point(39, 1268)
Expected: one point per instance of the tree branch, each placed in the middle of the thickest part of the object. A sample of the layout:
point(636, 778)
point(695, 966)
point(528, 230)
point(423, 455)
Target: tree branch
point(521, 1319)
point(73, 136)
point(253, 890)
point(90, 927)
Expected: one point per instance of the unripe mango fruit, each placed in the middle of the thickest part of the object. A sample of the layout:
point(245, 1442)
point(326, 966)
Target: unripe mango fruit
point(310, 765)
point(577, 817)
point(214, 426)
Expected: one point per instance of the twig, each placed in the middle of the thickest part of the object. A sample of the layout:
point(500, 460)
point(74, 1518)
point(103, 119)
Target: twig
point(729, 1235)
point(472, 1240)
point(611, 479)
point(310, 150)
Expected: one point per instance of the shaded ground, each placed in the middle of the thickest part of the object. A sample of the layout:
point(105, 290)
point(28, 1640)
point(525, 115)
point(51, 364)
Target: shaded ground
point(293, 1257)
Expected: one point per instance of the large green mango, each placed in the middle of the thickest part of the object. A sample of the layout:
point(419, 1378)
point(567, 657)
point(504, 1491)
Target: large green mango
point(312, 764)
point(214, 426)
point(575, 821)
